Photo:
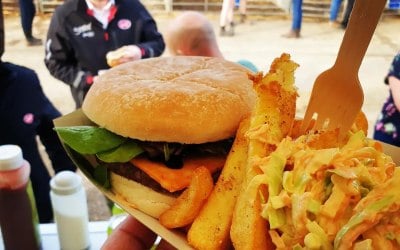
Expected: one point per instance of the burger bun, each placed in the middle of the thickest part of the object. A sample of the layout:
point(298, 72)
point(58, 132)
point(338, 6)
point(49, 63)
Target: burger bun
point(139, 196)
point(180, 99)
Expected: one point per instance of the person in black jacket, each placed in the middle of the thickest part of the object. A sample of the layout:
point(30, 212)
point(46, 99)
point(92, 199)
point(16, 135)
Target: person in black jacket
point(82, 32)
point(27, 114)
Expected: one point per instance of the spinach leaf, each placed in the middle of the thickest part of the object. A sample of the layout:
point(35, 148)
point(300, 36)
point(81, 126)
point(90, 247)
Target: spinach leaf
point(89, 139)
point(123, 153)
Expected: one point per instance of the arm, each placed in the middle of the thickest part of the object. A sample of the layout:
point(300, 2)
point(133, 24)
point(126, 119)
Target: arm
point(151, 41)
point(394, 84)
point(59, 55)
point(393, 79)
point(147, 41)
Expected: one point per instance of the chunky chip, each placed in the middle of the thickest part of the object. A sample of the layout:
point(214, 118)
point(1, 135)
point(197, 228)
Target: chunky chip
point(210, 230)
point(271, 121)
point(187, 206)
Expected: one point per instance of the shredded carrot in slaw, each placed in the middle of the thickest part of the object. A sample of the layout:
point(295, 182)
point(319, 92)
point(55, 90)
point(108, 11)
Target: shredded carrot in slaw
point(313, 195)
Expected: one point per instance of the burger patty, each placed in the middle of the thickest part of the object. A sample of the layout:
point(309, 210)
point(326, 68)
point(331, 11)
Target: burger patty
point(172, 155)
point(133, 173)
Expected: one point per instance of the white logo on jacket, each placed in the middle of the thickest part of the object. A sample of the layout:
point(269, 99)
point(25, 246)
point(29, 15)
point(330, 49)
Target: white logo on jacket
point(84, 30)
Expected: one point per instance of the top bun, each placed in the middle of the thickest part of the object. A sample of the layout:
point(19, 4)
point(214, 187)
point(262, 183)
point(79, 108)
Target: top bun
point(181, 99)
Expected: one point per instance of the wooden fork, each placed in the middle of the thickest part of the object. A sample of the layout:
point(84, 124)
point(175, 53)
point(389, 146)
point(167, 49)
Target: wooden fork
point(337, 95)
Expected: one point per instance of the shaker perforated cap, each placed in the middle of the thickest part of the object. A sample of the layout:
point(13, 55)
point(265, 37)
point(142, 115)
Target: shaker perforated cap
point(65, 183)
point(10, 157)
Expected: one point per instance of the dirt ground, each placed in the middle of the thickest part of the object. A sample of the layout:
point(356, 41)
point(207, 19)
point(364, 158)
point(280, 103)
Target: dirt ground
point(258, 40)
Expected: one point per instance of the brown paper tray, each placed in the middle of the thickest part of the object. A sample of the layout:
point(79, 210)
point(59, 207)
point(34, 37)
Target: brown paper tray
point(175, 238)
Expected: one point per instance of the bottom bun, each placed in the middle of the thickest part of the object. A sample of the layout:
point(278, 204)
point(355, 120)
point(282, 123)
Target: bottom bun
point(141, 197)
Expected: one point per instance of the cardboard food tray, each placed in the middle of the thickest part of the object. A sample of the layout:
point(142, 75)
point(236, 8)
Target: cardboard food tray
point(174, 237)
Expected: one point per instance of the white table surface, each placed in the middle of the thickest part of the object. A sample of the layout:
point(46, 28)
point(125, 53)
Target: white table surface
point(48, 233)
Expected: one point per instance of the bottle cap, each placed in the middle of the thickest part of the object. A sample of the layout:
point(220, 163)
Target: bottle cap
point(10, 157)
point(65, 183)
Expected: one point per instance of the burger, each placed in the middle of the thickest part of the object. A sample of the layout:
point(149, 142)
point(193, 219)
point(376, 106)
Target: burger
point(156, 120)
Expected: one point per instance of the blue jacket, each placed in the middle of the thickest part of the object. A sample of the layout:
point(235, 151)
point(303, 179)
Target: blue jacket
point(77, 44)
point(27, 115)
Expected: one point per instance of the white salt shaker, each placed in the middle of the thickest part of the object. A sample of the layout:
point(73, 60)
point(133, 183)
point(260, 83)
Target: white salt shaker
point(68, 199)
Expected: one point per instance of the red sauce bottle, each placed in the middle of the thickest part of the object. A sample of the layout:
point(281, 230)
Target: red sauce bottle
point(18, 217)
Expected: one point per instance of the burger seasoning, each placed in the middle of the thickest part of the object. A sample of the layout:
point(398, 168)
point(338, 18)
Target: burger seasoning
point(18, 216)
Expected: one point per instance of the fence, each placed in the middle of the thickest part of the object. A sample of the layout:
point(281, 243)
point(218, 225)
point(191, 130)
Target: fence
point(311, 8)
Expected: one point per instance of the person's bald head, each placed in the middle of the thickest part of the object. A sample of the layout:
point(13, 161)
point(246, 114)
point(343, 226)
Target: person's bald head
point(192, 34)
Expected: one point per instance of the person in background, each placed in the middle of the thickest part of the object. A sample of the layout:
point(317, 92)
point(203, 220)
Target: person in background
point(192, 34)
point(26, 114)
point(27, 13)
point(297, 15)
point(83, 32)
point(242, 10)
point(387, 126)
point(335, 7)
point(226, 24)
point(334, 12)
point(347, 13)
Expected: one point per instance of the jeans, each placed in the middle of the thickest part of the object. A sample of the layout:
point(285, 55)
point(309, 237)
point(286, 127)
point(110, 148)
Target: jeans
point(297, 14)
point(27, 12)
point(335, 6)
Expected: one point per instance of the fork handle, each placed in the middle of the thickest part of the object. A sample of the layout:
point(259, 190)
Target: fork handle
point(357, 37)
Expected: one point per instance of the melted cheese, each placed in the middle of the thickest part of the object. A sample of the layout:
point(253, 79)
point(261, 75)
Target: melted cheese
point(177, 179)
